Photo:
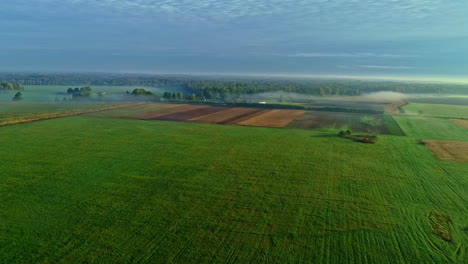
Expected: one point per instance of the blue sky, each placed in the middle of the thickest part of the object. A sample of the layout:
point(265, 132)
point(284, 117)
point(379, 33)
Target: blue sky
point(302, 37)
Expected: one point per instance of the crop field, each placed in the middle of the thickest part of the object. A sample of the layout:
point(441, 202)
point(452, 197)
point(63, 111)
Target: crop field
point(273, 118)
point(448, 100)
point(436, 110)
point(449, 150)
point(138, 111)
point(431, 128)
point(358, 122)
point(211, 114)
point(367, 123)
point(19, 112)
point(363, 105)
point(461, 122)
point(225, 116)
point(109, 190)
point(189, 113)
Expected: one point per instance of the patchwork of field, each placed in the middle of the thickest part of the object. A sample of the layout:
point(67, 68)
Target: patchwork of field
point(277, 118)
point(367, 123)
point(273, 118)
point(226, 116)
point(222, 115)
point(110, 190)
point(449, 150)
point(461, 122)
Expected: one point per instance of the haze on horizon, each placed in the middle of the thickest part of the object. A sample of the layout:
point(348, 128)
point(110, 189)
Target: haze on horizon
point(387, 38)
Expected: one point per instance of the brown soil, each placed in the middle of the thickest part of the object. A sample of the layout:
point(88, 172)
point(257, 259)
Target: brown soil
point(245, 116)
point(193, 113)
point(393, 108)
point(168, 111)
point(273, 118)
point(224, 116)
point(461, 122)
point(456, 151)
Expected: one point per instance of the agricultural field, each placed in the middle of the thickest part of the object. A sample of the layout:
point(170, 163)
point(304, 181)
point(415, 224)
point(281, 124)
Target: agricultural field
point(367, 123)
point(449, 150)
point(349, 104)
point(431, 128)
point(122, 190)
point(278, 118)
point(273, 118)
point(461, 122)
point(448, 100)
point(19, 112)
point(436, 110)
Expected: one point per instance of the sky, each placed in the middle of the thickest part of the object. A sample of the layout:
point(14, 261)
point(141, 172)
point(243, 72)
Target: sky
point(391, 38)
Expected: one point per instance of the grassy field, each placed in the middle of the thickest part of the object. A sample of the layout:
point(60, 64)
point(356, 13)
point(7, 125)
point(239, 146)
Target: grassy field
point(18, 112)
point(437, 110)
point(431, 128)
point(86, 189)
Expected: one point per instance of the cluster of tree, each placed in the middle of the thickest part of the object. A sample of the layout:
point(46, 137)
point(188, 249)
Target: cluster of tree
point(222, 90)
point(6, 86)
point(141, 91)
point(178, 96)
point(360, 138)
point(18, 96)
point(78, 93)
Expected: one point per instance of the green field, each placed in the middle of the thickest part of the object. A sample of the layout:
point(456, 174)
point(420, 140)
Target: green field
point(431, 128)
point(437, 110)
point(17, 112)
point(104, 190)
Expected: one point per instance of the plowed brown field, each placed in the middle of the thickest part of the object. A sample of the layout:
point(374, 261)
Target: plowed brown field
point(273, 118)
point(449, 150)
point(224, 116)
point(167, 111)
point(186, 115)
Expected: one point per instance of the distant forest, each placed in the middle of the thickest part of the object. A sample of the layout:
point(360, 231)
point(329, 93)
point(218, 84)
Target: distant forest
point(222, 88)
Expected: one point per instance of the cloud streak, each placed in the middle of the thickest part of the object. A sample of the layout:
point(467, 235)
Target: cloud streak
point(345, 55)
point(375, 67)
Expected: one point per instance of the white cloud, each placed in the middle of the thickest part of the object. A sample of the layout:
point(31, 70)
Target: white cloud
point(345, 55)
point(375, 67)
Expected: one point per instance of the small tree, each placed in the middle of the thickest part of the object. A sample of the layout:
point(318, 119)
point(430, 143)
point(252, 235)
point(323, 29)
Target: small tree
point(180, 96)
point(348, 132)
point(192, 97)
point(18, 96)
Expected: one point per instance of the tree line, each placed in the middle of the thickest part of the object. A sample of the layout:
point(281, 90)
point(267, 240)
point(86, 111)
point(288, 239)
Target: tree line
point(6, 86)
point(222, 88)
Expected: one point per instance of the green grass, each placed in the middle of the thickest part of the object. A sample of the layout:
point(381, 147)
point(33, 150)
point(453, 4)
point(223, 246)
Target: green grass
point(83, 189)
point(131, 111)
point(431, 128)
point(11, 113)
point(436, 110)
